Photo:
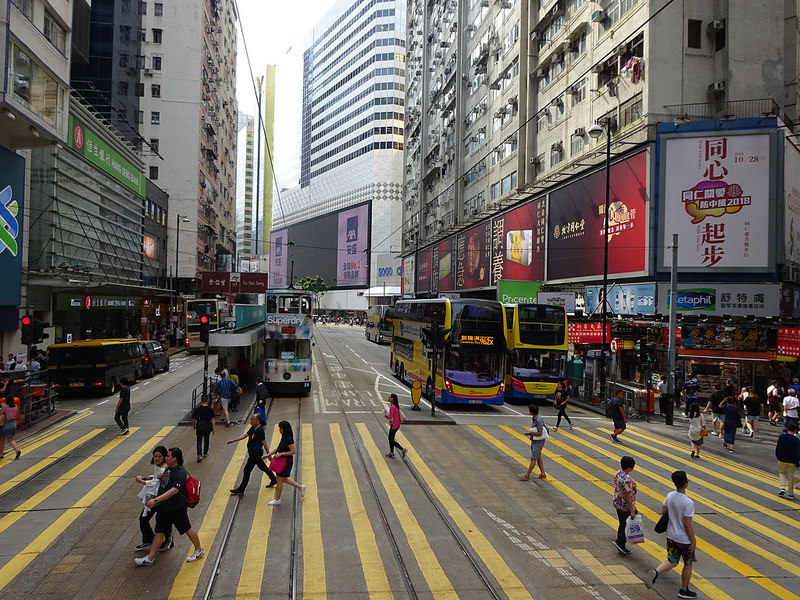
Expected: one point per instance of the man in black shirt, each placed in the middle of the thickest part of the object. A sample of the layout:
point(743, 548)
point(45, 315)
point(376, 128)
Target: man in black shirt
point(171, 505)
point(256, 442)
point(714, 405)
point(123, 406)
point(203, 421)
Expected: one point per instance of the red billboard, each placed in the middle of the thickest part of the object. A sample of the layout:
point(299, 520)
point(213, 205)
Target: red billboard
point(443, 266)
point(576, 224)
point(424, 271)
point(518, 243)
point(473, 253)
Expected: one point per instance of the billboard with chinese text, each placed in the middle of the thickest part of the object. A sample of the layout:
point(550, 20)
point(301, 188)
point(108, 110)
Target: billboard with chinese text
point(443, 266)
point(278, 253)
point(424, 270)
point(576, 221)
point(353, 247)
point(473, 253)
point(732, 299)
point(717, 193)
point(518, 243)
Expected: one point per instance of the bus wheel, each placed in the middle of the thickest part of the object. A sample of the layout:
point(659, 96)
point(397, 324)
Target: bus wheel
point(429, 390)
point(112, 387)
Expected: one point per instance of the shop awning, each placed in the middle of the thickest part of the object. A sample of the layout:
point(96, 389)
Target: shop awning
point(380, 290)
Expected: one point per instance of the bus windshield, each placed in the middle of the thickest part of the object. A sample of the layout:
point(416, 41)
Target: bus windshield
point(472, 366)
point(538, 365)
point(542, 325)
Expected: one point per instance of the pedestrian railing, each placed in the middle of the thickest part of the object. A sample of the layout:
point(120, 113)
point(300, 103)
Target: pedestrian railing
point(37, 403)
point(637, 402)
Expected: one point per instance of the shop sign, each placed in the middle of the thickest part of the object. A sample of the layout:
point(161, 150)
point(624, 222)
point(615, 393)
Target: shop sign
point(518, 292)
point(725, 337)
point(233, 283)
point(149, 246)
point(717, 195)
point(789, 341)
point(624, 299)
point(587, 333)
point(12, 186)
point(563, 299)
point(89, 302)
point(734, 299)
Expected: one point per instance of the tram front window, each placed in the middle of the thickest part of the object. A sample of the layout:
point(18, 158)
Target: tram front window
point(288, 348)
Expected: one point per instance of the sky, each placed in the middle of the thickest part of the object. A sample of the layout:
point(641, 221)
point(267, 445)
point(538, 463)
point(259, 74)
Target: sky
point(277, 33)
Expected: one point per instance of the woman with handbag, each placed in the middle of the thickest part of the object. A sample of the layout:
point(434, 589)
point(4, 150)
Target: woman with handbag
point(560, 402)
point(624, 500)
point(8, 425)
point(697, 429)
point(396, 418)
point(281, 462)
point(538, 434)
point(148, 492)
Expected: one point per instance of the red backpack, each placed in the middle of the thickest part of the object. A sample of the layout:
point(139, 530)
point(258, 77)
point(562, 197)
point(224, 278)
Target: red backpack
point(192, 491)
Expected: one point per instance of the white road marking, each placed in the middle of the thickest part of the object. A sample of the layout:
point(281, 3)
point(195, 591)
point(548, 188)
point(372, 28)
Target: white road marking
point(365, 362)
point(146, 383)
point(135, 388)
point(328, 355)
point(99, 403)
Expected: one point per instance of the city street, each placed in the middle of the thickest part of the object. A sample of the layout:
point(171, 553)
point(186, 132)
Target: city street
point(452, 520)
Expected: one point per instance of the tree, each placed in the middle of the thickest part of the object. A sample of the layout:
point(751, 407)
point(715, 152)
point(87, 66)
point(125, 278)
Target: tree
point(314, 284)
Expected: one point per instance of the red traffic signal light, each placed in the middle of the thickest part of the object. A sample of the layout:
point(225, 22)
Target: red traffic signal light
point(204, 329)
point(27, 320)
point(204, 320)
point(27, 331)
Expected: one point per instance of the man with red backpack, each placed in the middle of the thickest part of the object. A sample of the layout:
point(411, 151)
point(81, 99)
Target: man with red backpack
point(176, 494)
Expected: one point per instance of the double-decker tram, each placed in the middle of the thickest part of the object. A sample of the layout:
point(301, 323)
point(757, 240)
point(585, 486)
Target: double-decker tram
point(536, 336)
point(196, 308)
point(287, 343)
point(472, 363)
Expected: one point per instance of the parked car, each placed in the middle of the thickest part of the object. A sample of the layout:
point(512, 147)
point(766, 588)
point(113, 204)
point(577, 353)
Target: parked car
point(154, 359)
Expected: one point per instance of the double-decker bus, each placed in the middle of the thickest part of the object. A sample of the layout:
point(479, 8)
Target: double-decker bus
point(471, 367)
point(94, 364)
point(196, 308)
point(536, 335)
point(379, 327)
point(287, 343)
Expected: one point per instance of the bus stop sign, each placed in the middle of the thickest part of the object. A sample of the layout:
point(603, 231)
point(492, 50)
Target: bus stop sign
point(416, 391)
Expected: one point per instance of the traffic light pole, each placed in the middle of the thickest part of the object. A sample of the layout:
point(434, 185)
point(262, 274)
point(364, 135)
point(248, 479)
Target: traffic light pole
point(435, 343)
point(205, 370)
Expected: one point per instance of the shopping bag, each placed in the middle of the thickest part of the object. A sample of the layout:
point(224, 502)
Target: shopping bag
point(634, 533)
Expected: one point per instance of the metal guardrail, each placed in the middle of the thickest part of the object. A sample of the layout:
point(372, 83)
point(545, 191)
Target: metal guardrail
point(637, 402)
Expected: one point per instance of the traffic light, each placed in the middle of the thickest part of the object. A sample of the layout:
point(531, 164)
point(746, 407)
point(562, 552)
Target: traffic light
point(651, 352)
point(427, 337)
point(38, 331)
point(27, 331)
point(647, 352)
point(433, 337)
point(204, 329)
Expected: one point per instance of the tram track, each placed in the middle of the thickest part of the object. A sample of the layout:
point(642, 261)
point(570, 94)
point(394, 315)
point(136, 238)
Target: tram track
point(461, 543)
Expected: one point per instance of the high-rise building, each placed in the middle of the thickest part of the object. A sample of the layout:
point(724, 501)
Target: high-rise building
point(263, 224)
point(245, 162)
point(351, 154)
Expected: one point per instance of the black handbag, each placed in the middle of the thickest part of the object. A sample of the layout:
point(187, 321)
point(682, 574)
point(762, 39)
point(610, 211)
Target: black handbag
point(661, 526)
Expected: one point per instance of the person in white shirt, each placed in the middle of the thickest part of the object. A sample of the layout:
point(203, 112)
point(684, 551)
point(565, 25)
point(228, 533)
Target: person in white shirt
point(35, 365)
point(20, 365)
point(10, 363)
point(790, 404)
point(681, 542)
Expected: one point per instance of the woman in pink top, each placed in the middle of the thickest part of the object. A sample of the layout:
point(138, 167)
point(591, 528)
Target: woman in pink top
point(9, 430)
point(395, 419)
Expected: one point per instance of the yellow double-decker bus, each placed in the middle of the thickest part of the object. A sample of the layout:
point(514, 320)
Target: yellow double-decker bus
point(94, 364)
point(472, 363)
point(536, 336)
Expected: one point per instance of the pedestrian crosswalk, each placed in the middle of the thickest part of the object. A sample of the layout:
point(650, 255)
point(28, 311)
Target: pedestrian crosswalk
point(374, 527)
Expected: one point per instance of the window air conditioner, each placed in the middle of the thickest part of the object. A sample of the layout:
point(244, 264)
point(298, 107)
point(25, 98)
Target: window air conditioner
point(714, 26)
point(717, 86)
point(598, 16)
point(534, 161)
point(579, 132)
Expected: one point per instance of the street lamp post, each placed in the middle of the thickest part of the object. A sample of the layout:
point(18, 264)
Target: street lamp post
point(595, 131)
point(174, 287)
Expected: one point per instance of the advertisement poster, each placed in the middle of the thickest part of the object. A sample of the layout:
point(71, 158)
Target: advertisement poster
point(12, 186)
point(624, 299)
point(409, 275)
point(352, 246)
point(716, 196)
point(278, 258)
point(473, 251)
point(444, 266)
point(735, 299)
point(518, 243)
point(424, 270)
point(576, 221)
point(726, 337)
point(791, 190)
point(564, 299)
point(518, 292)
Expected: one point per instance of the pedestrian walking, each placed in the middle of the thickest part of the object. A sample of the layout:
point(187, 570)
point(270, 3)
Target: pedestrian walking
point(787, 451)
point(396, 419)
point(285, 450)
point(262, 393)
point(753, 411)
point(172, 505)
point(256, 449)
point(8, 428)
point(624, 500)
point(731, 421)
point(538, 434)
point(150, 485)
point(690, 389)
point(560, 402)
point(774, 400)
point(237, 391)
point(697, 429)
point(663, 394)
point(123, 406)
point(681, 542)
point(225, 388)
point(790, 405)
point(714, 402)
point(180, 337)
point(616, 412)
point(204, 424)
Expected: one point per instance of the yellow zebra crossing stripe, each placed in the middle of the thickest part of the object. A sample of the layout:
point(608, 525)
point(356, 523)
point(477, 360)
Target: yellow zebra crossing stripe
point(30, 448)
point(314, 584)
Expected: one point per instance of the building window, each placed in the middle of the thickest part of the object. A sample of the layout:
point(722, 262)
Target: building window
point(694, 28)
point(139, 61)
point(155, 118)
point(123, 60)
point(54, 32)
point(155, 90)
point(556, 153)
point(719, 38)
point(158, 9)
point(140, 89)
point(153, 173)
point(157, 35)
point(142, 35)
point(630, 111)
point(142, 8)
point(154, 144)
point(156, 63)
point(122, 88)
point(579, 92)
point(539, 164)
point(141, 117)
point(24, 6)
point(576, 145)
point(35, 88)
point(495, 191)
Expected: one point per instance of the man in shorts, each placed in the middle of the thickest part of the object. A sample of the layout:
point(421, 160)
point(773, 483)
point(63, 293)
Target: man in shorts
point(714, 405)
point(681, 542)
point(172, 505)
point(225, 389)
point(617, 414)
point(774, 400)
point(753, 407)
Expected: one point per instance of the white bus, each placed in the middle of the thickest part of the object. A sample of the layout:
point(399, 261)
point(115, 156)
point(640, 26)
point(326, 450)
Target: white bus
point(379, 328)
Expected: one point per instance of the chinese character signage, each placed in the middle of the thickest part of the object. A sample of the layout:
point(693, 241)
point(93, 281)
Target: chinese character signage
point(12, 186)
point(624, 299)
point(278, 257)
point(587, 333)
point(789, 341)
point(722, 337)
point(717, 196)
point(473, 253)
point(734, 299)
point(576, 224)
point(233, 283)
point(353, 246)
point(518, 243)
point(443, 266)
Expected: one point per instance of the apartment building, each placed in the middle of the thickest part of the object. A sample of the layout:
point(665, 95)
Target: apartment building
point(245, 163)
